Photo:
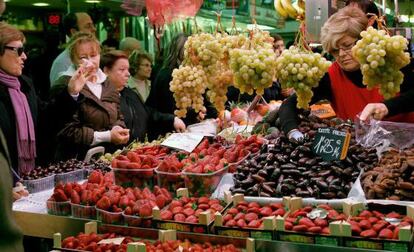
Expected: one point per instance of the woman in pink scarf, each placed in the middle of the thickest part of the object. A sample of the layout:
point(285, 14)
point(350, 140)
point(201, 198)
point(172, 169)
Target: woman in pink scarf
point(17, 101)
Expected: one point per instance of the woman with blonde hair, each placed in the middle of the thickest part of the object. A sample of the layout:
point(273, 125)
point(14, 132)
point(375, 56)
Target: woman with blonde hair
point(92, 103)
point(342, 84)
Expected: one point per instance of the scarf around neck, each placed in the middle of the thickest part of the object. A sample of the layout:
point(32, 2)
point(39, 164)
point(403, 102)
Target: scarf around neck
point(26, 141)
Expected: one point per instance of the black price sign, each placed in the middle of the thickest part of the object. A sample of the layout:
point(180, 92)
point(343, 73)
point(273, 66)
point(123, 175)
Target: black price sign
point(331, 144)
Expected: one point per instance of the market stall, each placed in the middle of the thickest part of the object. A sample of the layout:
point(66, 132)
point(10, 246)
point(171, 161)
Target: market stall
point(240, 182)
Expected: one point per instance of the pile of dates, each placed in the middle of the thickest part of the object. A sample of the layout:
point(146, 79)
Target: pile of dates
point(60, 167)
point(392, 179)
point(290, 168)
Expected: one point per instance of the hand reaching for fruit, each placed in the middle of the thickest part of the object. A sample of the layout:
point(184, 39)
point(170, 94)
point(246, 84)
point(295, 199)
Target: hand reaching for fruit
point(119, 135)
point(179, 125)
point(19, 191)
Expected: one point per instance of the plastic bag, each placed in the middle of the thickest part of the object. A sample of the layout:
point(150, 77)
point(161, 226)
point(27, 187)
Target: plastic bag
point(133, 7)
point(161, 12)
point(383, 134)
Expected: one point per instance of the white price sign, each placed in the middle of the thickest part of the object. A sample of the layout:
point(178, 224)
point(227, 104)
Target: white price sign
point(183, 141)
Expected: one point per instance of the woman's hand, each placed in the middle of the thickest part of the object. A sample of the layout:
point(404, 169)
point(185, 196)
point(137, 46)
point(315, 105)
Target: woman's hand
point(179, 125)
point(77, 82)
point(287, 92)
point(202, 114)
point(19, 191)
point(84, 73)
point(374, 110)
point(119, 135)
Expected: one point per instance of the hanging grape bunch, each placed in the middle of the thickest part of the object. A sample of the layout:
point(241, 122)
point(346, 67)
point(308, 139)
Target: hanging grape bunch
point(203, 49)
point(381, 57)
point(188, 85)
point(302, 70)
point(253, 64)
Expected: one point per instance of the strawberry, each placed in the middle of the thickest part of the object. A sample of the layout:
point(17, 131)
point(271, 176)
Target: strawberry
point(368, 233)
point(251, 216)
point(191, 219)
point(386, 234)
point(254, 224)
point(145, 210)
point(288, 225)
point(68, 188)
point(104, 203)
point(266, 211)
point(300, 228)
point(365, 214)
point(166, 215)
point(179, 217)
point(160, 201)
point(321, 222)
point(74, 197)
point(307, 222)
point(315, 229)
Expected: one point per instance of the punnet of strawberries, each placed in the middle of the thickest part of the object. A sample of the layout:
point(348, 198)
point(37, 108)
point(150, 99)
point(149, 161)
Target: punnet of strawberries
point(251, 214)
point(373, 224)
point(313, 219)
point(89, 242)
point(187, 209)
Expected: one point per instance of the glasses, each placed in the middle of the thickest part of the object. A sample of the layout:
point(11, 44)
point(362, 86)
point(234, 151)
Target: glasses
point(345, 48)
point(18, 50)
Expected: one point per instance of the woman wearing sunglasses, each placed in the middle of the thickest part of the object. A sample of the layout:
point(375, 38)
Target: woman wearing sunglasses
point(342, 84)
point(18, 102)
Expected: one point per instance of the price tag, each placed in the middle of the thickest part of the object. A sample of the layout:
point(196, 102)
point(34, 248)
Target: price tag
point(183, 141)
point(323, 110)
point(331, 144)
point(116, 241)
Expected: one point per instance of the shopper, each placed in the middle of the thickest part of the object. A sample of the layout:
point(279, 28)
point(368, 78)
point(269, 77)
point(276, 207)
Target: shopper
point(161, 98)
point(129, 44)
point(342, 85)
point(96, 118)
point(72, 23)
point(140, 119)
point(18, 101)
point(140, 66)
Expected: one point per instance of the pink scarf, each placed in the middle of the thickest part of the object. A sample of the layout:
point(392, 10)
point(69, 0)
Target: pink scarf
point(26, 145)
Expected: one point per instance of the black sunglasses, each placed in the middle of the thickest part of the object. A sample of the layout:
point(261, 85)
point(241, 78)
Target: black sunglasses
point(18, 50)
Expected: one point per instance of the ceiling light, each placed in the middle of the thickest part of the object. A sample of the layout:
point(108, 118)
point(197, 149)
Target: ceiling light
point(92, 1)
point(6, 1)
point(40, 4)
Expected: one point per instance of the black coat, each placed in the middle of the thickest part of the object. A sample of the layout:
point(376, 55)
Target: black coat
point(8, 117)
point(162, 99)
point(272, 93)
point(141, 119)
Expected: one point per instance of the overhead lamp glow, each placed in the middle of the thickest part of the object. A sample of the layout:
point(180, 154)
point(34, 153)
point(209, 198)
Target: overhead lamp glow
point(92, 1)
point(41, 4)
point(6, 1)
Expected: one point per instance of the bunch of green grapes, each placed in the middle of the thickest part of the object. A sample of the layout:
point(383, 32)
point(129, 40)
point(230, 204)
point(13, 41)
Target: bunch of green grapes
point(218, 84)
point(229, 42)
point(301, 70)
point(381, 57)
point(202, 49)
point(188, 85)
point(253, 69)
point(262, 39)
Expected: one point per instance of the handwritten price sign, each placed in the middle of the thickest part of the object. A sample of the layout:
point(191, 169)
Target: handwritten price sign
point(331, 144)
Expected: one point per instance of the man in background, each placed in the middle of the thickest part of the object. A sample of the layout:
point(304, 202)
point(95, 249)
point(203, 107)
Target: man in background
point(72, 23)
point(129, 44)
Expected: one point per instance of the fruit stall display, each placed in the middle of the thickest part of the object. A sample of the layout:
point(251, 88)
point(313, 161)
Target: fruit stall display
point(289, 168)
